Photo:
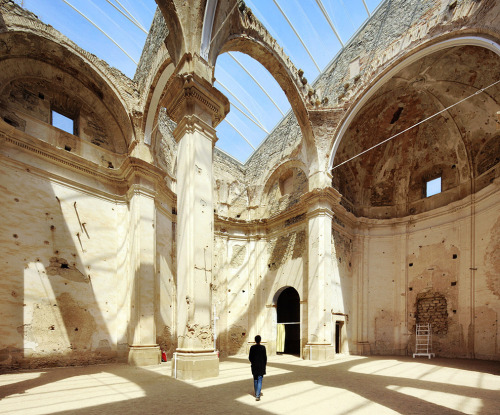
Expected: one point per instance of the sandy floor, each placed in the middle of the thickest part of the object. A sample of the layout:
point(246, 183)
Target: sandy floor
point(348, 385)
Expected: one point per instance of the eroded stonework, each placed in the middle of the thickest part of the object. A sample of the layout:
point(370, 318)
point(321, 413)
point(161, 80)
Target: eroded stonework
point(92, 221)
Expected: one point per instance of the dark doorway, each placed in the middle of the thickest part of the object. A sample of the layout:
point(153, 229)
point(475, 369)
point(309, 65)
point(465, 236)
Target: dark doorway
point(288, 310)
point(338, 331)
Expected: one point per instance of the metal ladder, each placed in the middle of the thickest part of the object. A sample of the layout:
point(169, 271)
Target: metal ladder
point(423, 341)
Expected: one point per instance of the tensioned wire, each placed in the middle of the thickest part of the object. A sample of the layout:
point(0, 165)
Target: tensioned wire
point(98, 28)
point(417, 124)
point(220, 27)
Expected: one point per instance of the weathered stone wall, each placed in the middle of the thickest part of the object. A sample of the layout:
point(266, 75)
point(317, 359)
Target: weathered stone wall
point(284, 248)
point(433, 270)
point(59, 275)
point(285, 191)
point(286, 262)
point(27, 105)
point(232, 293)
point(484, 272)
point(233, 195)
point(165, 145)
point(393, 18)
point(282, 144)
point(155, 40)
point(165, 297)
point(248, 273)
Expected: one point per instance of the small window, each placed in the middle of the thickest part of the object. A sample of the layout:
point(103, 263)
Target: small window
point(433, 187)
point(62, 122)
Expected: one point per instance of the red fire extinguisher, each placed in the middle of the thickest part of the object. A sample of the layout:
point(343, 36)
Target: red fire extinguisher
point(163, 356)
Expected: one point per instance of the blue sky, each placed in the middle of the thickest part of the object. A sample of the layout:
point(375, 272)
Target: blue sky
point(252, 113)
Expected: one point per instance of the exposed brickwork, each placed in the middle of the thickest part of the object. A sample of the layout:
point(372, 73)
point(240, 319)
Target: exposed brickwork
point(432, 308)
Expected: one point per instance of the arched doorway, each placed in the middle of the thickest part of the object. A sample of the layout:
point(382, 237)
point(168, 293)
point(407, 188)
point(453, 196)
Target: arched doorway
point(288, 319)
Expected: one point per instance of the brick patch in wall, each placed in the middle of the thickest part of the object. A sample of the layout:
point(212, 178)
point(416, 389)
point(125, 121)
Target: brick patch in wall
point(432, 308)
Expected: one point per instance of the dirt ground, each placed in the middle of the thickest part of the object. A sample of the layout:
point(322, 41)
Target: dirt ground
point(347, 385)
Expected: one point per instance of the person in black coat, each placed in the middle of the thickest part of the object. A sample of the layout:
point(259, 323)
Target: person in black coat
point(258, 359)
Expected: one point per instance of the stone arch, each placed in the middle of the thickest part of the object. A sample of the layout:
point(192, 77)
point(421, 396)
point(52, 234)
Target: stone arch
point(62, 64)
point(245, 34)
point(153, 107)
point(174, 41)
point(276, 173)
point(279, 196)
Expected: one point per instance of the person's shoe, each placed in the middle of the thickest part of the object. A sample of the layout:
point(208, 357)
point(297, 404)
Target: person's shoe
point(257, 398)
point(261, 394)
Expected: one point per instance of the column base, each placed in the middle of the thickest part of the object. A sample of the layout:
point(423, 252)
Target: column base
point(144, 355)
point(319, 352)
point(195, 365)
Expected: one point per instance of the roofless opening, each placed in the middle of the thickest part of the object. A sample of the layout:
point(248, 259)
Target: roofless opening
point(258, 104)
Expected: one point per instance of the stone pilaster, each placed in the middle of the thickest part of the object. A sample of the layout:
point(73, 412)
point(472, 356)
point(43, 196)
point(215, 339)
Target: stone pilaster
point(196, 107)
point(143, 349)
point(321, 278)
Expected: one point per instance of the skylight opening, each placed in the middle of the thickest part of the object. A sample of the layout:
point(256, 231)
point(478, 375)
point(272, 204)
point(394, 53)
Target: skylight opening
point(62, 122)
point(257, 104)
point(115, 32)
point(433, 187)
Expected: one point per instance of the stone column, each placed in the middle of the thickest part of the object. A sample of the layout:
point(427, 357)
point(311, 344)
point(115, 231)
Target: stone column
point(321, 279)
point(197, 107)
point(143, 349)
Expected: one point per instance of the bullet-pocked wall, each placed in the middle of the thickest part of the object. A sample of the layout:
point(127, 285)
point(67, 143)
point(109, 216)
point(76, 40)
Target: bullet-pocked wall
point(89, 216)
point(69, 206)
point(407, 68)
point(430, 253)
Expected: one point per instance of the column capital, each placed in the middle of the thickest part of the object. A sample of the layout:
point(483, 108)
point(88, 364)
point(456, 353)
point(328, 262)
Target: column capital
point(321, 201)
point(192, 123)
point(189, 94)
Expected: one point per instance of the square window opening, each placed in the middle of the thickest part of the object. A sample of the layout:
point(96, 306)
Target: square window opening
point(62, 122)
point(433, 187)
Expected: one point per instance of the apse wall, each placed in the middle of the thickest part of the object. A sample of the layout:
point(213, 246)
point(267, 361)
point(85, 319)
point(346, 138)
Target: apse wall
point(436, 268)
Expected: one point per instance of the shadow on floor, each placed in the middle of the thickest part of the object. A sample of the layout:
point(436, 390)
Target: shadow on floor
point(118, 389)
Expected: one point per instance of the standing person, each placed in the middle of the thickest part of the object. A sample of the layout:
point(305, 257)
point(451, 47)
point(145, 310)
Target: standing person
point(258, 359)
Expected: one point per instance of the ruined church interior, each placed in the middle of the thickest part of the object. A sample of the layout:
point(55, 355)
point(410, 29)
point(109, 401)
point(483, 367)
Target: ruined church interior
point(371, 208)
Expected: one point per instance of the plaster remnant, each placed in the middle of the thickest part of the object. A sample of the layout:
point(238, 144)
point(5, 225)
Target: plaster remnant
point(238, 256)
point(237, 338)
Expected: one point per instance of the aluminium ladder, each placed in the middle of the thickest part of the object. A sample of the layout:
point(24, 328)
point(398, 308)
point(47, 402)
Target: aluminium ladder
point(423, 342)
